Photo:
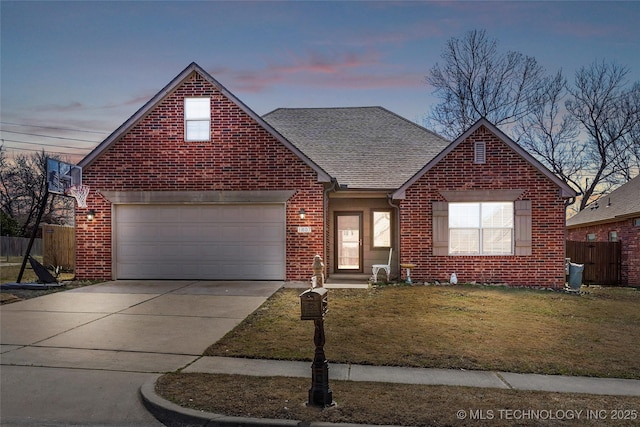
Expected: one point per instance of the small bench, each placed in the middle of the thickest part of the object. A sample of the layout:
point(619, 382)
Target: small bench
point(386, 267)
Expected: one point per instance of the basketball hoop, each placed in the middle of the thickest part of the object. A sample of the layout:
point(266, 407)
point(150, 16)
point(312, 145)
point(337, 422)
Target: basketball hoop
point(80, 192)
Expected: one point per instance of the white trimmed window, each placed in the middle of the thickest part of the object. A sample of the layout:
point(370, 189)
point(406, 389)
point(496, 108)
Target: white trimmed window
point(197, 119)
point(481, 228)
point(381, 221)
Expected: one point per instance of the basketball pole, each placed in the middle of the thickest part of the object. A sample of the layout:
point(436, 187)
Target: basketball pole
point(34, 232)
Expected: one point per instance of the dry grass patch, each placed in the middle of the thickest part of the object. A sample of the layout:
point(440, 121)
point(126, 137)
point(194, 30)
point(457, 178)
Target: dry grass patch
point(460, 327)
point(376, 403)
point(10, 269)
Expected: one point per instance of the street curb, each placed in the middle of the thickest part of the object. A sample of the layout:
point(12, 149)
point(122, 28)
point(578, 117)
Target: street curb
point(173, 415)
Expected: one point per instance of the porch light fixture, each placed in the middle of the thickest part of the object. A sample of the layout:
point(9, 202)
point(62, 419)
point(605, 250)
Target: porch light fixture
point(91, 214)
point(302, 213)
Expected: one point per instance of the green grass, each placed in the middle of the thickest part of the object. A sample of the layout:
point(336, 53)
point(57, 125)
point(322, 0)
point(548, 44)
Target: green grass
point(459, 327)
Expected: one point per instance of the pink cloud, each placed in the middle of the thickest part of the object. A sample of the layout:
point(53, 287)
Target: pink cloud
point(344, 70)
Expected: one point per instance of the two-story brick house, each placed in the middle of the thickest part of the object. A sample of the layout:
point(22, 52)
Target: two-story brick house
point(195, 185)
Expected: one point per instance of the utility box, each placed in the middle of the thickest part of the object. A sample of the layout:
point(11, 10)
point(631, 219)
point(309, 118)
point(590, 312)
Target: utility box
point(313, 304)
point(575, 276)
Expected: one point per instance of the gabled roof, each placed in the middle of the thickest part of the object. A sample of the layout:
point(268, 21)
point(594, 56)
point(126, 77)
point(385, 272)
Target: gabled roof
point(175, 83)
point(623, 202)
point(367, 148)
point(566, 190)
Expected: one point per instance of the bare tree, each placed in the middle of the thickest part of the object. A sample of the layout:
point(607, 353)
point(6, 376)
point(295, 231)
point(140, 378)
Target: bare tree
point(587, 133)
point(608, 109)
point(477, 80)
point(22, 192)
point(551, 135)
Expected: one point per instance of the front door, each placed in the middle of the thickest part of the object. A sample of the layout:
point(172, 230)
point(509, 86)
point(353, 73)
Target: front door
point(348, 242)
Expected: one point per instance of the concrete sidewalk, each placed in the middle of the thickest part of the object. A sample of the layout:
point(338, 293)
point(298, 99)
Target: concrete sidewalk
point(450, 377)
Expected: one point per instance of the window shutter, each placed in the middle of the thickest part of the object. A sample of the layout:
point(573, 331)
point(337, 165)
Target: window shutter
point(440, 228)
point(523, 227)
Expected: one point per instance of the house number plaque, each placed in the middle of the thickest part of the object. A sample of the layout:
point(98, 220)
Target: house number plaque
point(304, 229)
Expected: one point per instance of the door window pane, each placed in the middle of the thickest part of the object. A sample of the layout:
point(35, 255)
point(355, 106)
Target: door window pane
point(348, 242)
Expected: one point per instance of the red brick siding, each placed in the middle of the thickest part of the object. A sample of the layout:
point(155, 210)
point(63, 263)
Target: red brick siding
point(240, 156)
point(629, 238)
point(504, 169)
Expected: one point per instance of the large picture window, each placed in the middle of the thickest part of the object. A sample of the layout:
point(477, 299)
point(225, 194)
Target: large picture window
point(481, 228)
point(197, 119)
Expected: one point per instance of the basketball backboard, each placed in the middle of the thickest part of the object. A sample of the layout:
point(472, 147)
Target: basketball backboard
point(61, 176)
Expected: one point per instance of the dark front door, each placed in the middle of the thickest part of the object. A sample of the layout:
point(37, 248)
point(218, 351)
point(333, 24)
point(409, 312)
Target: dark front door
point(348, 242)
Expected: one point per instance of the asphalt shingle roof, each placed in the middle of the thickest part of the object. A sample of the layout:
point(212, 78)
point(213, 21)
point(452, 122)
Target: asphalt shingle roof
point(624, 202)
point(362, 147)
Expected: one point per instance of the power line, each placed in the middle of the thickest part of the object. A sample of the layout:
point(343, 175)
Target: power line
point(36, 150)
point(47, 136)
point(53, 127)
point(45, 145)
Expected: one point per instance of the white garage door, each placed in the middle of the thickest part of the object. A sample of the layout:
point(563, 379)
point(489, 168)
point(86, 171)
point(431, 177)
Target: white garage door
point(214, 242)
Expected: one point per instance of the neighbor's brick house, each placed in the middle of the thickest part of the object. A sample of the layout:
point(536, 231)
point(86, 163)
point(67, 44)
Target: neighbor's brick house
point(195, 185)
point(614, 217)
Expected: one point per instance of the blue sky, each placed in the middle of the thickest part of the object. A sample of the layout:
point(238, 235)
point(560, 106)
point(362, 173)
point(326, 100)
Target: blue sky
point(90, 65)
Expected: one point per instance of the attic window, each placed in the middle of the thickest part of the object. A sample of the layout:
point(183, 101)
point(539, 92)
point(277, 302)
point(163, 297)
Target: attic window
point(197, 119)
point(480, 152)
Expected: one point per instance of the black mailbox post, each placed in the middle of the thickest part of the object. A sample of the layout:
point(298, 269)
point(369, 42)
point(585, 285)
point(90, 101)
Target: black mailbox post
point(313, 306)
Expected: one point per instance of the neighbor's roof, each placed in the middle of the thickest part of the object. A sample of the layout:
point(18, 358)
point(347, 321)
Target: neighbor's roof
point(362, 147)
point(624, 202)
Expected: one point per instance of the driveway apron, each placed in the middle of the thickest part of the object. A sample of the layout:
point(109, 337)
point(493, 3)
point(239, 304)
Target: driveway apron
point(80, 356)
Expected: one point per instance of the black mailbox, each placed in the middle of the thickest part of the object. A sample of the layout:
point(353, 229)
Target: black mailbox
point(313, 304)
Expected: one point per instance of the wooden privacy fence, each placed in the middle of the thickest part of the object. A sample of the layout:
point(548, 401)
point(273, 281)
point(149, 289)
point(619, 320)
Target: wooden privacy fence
point(58, 246)
point(16, 247)
point(602, 261)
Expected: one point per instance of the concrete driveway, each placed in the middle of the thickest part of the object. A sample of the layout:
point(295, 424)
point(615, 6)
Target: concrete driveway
point(79, 357)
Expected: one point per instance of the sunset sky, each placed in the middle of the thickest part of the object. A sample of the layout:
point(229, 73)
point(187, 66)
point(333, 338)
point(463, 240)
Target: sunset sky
point(72, 72)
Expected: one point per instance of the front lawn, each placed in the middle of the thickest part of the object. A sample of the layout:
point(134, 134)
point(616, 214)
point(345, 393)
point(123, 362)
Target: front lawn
point(459, 327)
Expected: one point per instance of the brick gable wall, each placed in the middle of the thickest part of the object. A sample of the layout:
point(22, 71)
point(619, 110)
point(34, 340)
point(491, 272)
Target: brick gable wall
point(241, 155)
point(505, 169)
point(628, 235)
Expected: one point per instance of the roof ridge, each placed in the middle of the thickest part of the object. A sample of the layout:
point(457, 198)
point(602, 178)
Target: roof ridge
point(416, 124)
